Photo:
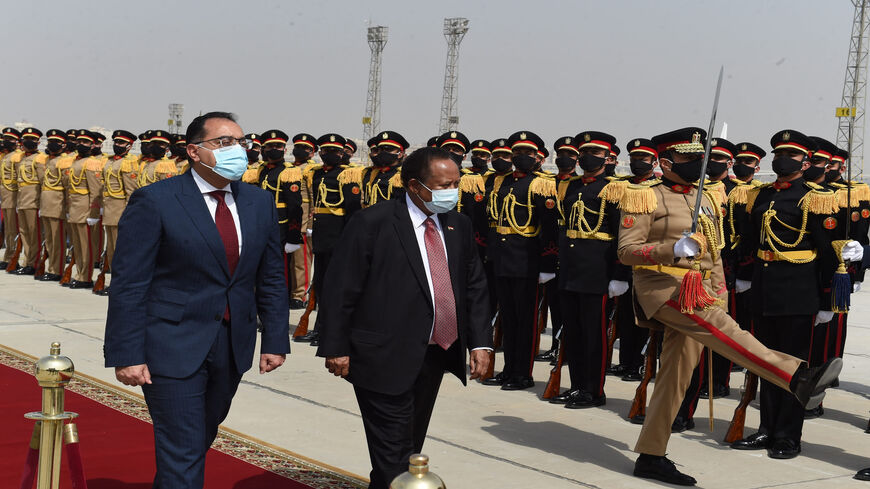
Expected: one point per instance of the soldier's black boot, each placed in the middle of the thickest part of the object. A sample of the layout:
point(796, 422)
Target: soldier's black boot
point(661, 469)
point(863, 475)
point(808, 384)
point(757, 441)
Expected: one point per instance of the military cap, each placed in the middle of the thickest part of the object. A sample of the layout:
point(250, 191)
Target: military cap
point(747, 149)
point(566, 142)
point(55, 134)
point(254, 137)
point(481, 145)
point(349, 144)
point(180, 139)
point(331, 140)
point(641, 145)
point(840, 156)
point(724, 147)
point(145, 136)
point(392, 138)
point(595, 139)
point(544, 152)
point(432, 142)
point(275, 136)
point(791, 139)
point(85, 135)
point(305, 139)
point(685, 140)
point(71, 133)
point(500, 144)
point(614, 151)
point(31, 132)
point(11, 132)
point(455, 138)
point(372, 142)
point(123, 135)
point(160, 136)
point(99, 137)
point(525, 139)
point(824, 148)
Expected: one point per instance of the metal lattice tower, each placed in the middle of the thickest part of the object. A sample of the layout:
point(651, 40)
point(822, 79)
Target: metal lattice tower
point(377, 37)
point(454, 30)
point(850, 128)
point(176, 111)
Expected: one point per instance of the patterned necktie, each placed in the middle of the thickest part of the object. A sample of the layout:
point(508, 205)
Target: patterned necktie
point(223, 218)
point(445, 331)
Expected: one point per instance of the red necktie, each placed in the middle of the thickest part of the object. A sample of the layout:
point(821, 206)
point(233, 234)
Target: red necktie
point(223, 218)
point(444, 332)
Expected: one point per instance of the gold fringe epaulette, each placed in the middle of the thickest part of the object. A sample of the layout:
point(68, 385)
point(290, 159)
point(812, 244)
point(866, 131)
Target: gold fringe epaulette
point(859, 192)
point(251, 174)
point(16, 156)
point(95, 164)
point(65, 161)
point(129, 163)
point(543, 186)
point(471, 183)
point(166, 167)
point(740, 194)
point(639, 199)
point(396, 180)
point(290, 174)
point(752, 194)
point(716, 190)
point(545, 174)
point(615, 190)
point(863, 190)
point(820, 201)
point(352, 175)
point(41, 158)
point(308, 171)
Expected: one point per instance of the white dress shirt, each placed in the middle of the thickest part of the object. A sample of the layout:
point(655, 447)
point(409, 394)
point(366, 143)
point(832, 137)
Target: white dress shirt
point(212, 203)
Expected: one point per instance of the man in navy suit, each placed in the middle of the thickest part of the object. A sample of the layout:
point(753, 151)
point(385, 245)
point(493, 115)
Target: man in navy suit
point(198, 259)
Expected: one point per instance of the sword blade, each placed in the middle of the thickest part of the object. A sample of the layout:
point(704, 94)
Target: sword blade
point(707, 148)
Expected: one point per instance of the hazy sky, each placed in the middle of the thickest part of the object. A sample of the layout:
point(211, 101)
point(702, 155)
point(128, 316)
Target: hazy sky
point(632, 68)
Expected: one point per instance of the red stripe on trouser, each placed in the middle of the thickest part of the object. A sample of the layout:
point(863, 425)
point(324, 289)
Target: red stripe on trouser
point(603, 344)
point(538, 290)
point(730, 343)
point(838, 352)
point(305, 260)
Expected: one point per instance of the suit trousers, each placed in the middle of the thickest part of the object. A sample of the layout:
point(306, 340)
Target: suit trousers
point(684, 337)
point(585, 317)
point(518, 300)
point(396, 425)
point(54, 244)
point(10, 232)
point(28, 226)
point(186, 414)
point(631, 337)
point(80, 234)
point(782, 416)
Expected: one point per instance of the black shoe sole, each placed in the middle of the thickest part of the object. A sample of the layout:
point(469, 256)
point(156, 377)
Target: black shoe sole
point(656, 476)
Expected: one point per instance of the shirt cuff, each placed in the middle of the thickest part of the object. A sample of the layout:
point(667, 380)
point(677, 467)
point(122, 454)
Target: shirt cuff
point(482, 348)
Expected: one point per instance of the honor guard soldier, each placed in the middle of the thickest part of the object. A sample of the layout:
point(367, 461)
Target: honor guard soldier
point(501, 168)
point(678, 281)
point(132, 167)
point(611, 161)
point(304, 147)
point(31, 170)
point(794, 263)
point(456, 144)
point(432, 142)
point(472, 193)
point(71, 142)
point(9, 192)
point(352, 180)
point(115, 195)
point(99, 139)
point(254, 152)
point(159, 167)
point(178, 150)
point(95, 191)
point(80, 215)
point(51, 206)
point(382, 181)
point(349, 151)
point(747, 163)
point(524, 253)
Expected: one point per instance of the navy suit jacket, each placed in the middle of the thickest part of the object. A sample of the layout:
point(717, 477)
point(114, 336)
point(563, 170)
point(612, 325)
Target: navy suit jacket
point(171, 281)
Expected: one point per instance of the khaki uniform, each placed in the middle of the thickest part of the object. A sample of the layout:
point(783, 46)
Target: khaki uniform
point(181, 165)
point(302, 262)
point(8, 200)
point(114, 200)
point(652, 221)
point(95, 192)
point(78, 201)
point(31, 170)
point(52, 212)
point(156, 170)
point(131, 168)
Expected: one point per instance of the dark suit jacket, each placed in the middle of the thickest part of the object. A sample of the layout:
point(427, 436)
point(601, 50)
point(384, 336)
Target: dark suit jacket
point(377, 307)
point(171, 281)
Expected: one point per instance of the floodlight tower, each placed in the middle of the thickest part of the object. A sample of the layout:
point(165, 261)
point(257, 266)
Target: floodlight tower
point(454, 30)
point(176, 111)
point(377, 37)
point(850, 123)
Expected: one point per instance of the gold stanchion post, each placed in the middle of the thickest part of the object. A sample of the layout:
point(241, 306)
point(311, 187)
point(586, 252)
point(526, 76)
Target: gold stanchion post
point(418, 475)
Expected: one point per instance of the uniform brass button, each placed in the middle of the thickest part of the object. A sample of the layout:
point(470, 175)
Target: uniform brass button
point(504, 239)
point(766, 265)
point(572, 245)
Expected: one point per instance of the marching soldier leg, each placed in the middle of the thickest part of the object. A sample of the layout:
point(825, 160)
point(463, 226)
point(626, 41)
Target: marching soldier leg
point(299, 278)
point(684, 419)
point(111, 239)
point(53, 246)
point(28, 228)
point(631, 338)
point(10, 229)
point(592, 350)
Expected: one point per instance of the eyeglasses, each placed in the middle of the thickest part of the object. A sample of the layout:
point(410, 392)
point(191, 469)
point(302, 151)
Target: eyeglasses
point(227, 141)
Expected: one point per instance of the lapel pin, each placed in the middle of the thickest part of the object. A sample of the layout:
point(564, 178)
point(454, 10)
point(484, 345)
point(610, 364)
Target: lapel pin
point(450, 228)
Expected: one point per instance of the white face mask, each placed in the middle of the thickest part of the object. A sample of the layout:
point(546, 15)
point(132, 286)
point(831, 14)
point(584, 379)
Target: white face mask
point(442, 200)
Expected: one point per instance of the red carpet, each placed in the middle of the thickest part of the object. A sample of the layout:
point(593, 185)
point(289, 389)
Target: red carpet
point(117, 442)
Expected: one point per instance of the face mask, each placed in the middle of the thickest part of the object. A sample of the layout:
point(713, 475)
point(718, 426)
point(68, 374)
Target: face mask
point(457, 159)
point(331, 159)
point(786, 166)
point(300, 154)
point(814, 172)
point(30, 145)
point(689, 171)
point(119, 150)
point(743, 171)
point(590, 163)
point(70, 147)
point(345, 158)
point(523, 163)
point(501, 165)
point(230, 162)
point(610, 170)
point(83, 150)
point(716, 168)
point(97, 151)
point(565, 163)
point(157, 152)
point(54, 147)
point(253, 154)
point(384, 159)
point(176, 150)
point(274, 155)
point(479, 163)
point(442, 200)
point(639, 167)
point(831, 176)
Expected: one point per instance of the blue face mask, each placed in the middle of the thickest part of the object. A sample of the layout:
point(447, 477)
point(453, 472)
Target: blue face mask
point(442, 200)
point(230, 162)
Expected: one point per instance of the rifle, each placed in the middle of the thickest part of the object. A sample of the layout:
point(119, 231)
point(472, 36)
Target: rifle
point(40, 260)
point(491, 370)
point(67, 272)
point(540, 318)
point(735, 429)
point(611, 331)
point(302, 327)
point(13, 262)
point(638, 406)
point(555, 382)
point(100, 284)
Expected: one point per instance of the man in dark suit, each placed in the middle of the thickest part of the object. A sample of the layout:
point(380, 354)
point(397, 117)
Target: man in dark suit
point(406, 296)
point(198, 259)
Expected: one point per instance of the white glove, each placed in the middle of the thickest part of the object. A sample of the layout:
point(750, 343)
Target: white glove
point(101, 211)
point(853, 251)
point(856, 287)
point(742, 285)
point(309, 232)
point(38, 213)
point(545, 277)
point(290, 248)
point(616, 288)
point(824, 317)
point(93, 221)
point(686, 247)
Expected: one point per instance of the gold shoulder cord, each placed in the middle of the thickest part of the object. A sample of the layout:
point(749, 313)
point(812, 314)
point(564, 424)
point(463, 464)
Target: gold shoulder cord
point(578, 222)
point(52, 181)
point(7, 174)
point(713, 231)
point(275, 191)
point(507, 213)
point(323, 191)
point(29, 177)
point(769, 237)
point(371, 198)
point(735, 239)
point(116, 191)
point(76, 180)
point(492, 205)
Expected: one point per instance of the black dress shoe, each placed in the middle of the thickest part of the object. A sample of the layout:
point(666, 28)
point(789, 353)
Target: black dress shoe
point(28, 270)
point(808, 384)
point(814, 413)
point(638, 419)
point(863, 475)
point(682, 424)
point(633, 375)
point(307, 337)
point(784, 449)
point(14, 270)
point(565, 397)
point(518, 384)
point(618, 370)
point(497, 379)
point(81, 285)
point(296, 304)
point(547, 356)
point(661, 469)
point(756, 441)
point(4, 264)
point(49, 277)
point(867, 430)
point(719, 391)
point(586, 400)
point(102, 293)
point(67, 284)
